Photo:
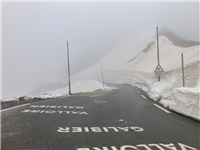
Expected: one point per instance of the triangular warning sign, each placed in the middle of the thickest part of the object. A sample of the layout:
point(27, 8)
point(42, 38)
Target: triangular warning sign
point(158, 69)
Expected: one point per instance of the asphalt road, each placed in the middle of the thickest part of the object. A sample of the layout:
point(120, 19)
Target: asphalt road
point(119, 119)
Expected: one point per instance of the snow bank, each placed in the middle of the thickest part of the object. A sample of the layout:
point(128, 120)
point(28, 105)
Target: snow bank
point(78, 87)
point(186, 101)
point(86, 86)
point(11, 99)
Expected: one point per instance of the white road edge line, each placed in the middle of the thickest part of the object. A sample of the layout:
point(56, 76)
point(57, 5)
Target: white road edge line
point(138, 91)
point(14, 107)
point(143, 96)
point(162, 108)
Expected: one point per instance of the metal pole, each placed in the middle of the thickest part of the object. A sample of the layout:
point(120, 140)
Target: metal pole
point(102, 76)
point(68, 69)
point(183, 70)
point(158, 51)
point(98, 75)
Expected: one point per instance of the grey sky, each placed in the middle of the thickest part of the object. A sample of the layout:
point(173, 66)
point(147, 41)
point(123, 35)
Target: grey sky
point(35, 34)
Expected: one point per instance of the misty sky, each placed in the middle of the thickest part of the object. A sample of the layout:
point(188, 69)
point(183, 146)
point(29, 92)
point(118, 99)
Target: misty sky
point(35, 34)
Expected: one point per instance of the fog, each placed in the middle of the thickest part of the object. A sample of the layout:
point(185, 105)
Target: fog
point(34, 35)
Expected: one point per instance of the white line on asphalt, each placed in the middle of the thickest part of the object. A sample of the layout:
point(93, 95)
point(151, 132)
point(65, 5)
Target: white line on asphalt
point(99, 101)
point(162, 108)
point(143, 96)
point(138, 91)
point(14, 107)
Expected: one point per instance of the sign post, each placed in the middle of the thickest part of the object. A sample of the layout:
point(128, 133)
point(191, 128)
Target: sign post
point(68, 69)
point(102, 76)
point(158, 51)
point(182, 70)
point(98, 75)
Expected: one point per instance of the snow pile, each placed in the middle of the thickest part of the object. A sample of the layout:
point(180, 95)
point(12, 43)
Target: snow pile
point(19, 98)
point(78, 87)
point(11, 99)
point(186, 101)
point(86, 86)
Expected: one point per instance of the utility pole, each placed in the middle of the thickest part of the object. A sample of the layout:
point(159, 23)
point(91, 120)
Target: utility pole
point(102, 76)
point(158, 51)
point(183, 70)
point(98, 75)
point(68, 69)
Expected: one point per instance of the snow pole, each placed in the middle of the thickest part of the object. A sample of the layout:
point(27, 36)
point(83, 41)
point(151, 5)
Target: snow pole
point(102, 76)
point(98, 75)
point(68, 69)
point(183, 70)
point(158, 51)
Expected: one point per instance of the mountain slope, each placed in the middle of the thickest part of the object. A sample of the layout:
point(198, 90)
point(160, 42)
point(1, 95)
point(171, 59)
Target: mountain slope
point(122, 66)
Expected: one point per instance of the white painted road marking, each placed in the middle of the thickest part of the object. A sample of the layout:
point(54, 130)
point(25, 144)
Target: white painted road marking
point(138, 91)
point(54, 111)
point(14, 107)
point(143, 96)
point(162, 108)
point(47, 106)
point(99, 129)
point(146, 146)
point(99, 101)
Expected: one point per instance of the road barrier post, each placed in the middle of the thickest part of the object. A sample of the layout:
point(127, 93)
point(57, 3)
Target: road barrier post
point(182, 70)
point(102, 76)
point(68, 69)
